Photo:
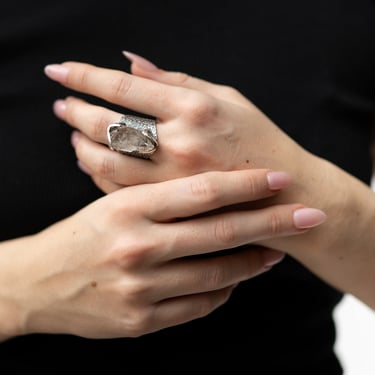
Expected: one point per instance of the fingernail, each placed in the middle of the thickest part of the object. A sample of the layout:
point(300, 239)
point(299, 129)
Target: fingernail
point(59, 107)
point(308, 217)
point(272, 257)
point(57, 72)
point(278, 180)
point(140, 61)
point(83, 167)
point(75, 138)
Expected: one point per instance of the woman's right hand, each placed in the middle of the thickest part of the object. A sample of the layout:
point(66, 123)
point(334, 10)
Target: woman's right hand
point(128, 264)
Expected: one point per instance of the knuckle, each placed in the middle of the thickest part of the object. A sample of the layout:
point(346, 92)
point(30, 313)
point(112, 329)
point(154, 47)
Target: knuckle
point(275, 223)
point(200, 108)
point(120, 87)
point(188, 154)
point(136, 254)
point(107, 168)
point(132, 257)
point(224, 231)
point(252, 184)
point(82, 77)
point(214, 277)
point(99, 126)
point(137, 291)
point(205, 189)
point(179, 78)
point(137, 322)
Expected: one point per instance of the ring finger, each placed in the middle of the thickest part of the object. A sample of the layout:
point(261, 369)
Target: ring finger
point(90, 144)
point(90, 119)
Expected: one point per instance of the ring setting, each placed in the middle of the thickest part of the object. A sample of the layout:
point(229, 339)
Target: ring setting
point(134, 136)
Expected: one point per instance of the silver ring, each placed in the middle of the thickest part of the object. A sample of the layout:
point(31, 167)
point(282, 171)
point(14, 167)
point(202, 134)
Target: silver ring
point(134, 136)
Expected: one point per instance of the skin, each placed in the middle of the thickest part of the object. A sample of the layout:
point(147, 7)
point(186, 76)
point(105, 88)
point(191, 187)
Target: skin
point(203, 126)
point(127, 264)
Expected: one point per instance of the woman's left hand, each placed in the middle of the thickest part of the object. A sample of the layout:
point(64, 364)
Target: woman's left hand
point(201, 126)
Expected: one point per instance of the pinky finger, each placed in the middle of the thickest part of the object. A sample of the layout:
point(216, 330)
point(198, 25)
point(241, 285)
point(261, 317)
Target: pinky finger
point(105, 185)
point(183, 309)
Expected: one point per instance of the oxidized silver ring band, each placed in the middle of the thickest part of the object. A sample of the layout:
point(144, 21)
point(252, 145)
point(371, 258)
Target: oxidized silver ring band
point(134, 136)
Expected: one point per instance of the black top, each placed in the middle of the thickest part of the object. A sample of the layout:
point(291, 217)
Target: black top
point(310, 66)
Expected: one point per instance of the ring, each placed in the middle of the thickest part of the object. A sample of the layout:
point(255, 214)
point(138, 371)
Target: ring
point(134, 136)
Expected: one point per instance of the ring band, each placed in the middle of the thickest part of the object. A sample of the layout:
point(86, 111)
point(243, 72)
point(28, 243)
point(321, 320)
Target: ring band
point(134, 136)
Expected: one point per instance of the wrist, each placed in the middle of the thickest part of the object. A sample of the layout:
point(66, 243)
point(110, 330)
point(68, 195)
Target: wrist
point(316, 183)
point(14, 296)
point(10, 318)
point(340, 251)
point(344, 199)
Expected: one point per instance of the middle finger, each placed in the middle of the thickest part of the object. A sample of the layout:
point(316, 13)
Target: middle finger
point(136, 93)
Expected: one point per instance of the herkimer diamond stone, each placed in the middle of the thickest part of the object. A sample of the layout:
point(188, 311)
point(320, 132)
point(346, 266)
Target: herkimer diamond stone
point(130, 141)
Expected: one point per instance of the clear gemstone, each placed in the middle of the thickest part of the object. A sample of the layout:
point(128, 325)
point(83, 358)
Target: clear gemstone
point(128, 140)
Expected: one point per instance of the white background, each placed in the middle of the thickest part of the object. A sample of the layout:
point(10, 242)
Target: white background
point(355, 336)
point(356, 333)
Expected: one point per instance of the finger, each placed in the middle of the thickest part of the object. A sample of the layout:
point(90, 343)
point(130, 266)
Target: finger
point(129, 91)
point(208, 191)
point(197, 275)
point(233, 229)
point(90, 119)
point(110, 165)
point(105, 185)
point(144, 68)
point(176, 311)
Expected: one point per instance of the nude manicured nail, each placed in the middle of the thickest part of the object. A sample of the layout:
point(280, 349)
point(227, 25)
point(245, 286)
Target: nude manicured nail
point(56, 72)
point(278, 180)
point(75, 138)
point(140, 61)
point(83, 168)
point(272, 257)
point(308, 218)
point(59, 107)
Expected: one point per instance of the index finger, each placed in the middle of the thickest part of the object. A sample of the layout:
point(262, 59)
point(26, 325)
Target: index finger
point(135, 93)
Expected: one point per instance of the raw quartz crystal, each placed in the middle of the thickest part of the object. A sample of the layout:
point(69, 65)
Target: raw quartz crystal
point(130, 141)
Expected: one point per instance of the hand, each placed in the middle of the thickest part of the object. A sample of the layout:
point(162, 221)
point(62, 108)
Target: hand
point(201, 126)
point(204, 126)
point(128, 264)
